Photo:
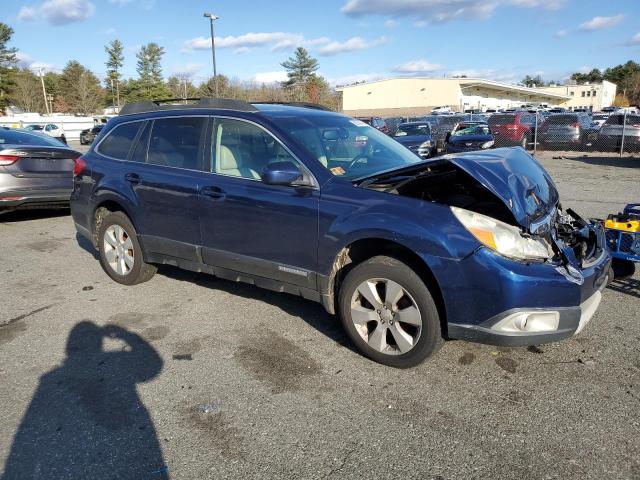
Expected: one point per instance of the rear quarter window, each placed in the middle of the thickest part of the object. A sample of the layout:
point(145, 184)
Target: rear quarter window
point(118, 141)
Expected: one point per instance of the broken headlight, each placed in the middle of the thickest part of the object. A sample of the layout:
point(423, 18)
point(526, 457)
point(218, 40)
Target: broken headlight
point(501, 237)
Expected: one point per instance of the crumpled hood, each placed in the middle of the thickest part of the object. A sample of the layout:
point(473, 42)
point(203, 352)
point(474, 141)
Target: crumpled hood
point(516, 178)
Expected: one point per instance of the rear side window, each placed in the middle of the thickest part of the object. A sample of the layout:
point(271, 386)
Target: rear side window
point(118, 141)
point(178, 142)
point(501, 119)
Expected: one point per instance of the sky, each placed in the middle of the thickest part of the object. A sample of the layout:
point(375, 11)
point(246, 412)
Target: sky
point(353, 40)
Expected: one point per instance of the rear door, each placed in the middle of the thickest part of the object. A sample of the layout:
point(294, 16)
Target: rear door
point(166, 170)
point(269, 231)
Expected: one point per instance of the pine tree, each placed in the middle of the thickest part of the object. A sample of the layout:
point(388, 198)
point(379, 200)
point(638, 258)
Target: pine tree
point(8, 61)
point(114, 62)
point(301, 67)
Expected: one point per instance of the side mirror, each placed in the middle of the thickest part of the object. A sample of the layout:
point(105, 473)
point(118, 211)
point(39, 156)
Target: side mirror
point(281, 173)
point(446, 139)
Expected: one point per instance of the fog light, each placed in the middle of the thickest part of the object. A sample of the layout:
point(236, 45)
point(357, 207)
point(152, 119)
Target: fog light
point(529, 322)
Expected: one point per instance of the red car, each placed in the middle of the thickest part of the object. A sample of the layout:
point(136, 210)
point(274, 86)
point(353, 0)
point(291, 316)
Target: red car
point(513, 128)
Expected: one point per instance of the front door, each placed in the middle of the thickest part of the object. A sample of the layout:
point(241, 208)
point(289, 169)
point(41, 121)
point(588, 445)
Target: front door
point(270, 231)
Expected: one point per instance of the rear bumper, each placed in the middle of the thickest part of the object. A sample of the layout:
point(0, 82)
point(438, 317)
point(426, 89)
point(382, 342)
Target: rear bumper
point(34, 198)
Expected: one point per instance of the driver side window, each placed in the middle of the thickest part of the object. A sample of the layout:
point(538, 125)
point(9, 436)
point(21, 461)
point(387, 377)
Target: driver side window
point(242, 149)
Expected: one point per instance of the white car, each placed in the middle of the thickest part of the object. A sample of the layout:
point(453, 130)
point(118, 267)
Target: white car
point(51, 129)
point(440, 110)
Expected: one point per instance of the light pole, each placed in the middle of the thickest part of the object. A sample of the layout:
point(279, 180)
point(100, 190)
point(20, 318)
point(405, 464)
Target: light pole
point(211, 18)
point(44, 91)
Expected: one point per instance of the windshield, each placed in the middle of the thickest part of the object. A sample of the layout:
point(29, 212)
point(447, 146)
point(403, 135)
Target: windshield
point(466, 129)
point(14, 137)
point(347, 147)
point(411, 130)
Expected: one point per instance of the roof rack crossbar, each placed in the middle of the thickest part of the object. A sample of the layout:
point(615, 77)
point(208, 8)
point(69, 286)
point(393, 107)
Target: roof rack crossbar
point(171, 104)
point(314, 106)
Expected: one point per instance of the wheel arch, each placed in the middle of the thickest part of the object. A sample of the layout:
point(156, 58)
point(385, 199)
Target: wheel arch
point(108, 203)
point(363, 249)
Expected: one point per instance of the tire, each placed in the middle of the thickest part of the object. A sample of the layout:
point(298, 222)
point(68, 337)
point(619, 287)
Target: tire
point(117, 240)
point(524, 143)
point(622, 269)
point(382, 329)
point(63, 139)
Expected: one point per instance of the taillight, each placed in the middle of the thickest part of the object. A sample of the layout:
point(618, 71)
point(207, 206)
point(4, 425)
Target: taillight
point(576, 125)
point(8, 159)
point(79, 166)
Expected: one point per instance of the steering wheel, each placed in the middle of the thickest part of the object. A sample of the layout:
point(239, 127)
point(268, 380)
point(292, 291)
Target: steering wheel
point(356, 159)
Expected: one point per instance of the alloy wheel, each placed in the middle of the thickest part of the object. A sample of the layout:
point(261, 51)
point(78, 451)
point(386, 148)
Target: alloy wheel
point(386, 316)
point(118, 250)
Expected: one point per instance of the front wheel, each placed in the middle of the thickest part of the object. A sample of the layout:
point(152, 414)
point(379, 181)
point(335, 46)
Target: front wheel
point(389, 313)
point(120, 251)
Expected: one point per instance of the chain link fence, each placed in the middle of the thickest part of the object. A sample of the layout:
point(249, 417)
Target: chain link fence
point(614, 133)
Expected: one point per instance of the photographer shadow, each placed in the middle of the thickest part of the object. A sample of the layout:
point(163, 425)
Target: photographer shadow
point(86, 419)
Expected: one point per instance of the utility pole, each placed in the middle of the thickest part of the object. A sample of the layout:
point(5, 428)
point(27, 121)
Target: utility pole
point(113, 99)
point(50, 97)
point(211, 18)
point(118, 93)
point(44, 91)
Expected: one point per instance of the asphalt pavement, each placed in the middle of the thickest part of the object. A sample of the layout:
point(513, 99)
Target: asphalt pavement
point(191, 377)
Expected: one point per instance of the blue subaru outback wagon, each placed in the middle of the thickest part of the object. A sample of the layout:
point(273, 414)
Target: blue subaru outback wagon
point(293, 198)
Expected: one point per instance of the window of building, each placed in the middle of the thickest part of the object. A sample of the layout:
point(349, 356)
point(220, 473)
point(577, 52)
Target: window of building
point(584, 93)
point(572, 93)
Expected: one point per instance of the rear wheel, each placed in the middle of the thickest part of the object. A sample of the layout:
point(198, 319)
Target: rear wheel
point(524, 143)
point(120, 252)
point(389, 313)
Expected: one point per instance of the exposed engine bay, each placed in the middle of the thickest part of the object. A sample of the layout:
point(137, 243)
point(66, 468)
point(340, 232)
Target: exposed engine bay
point(566, 233)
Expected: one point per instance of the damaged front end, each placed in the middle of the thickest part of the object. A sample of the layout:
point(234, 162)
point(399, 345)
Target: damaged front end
point(509, 203)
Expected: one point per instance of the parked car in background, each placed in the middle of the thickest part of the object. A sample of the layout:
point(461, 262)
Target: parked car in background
point(516, 128)
point(582, 110)
point(417, 137)
point(377, 123)
point(88, 136)
point(469, 136)
point(50, 129)
point(568, 131)
point(393, 122)
point(441, 110)
point(402, 249)
point(611, 109)
point(610, 133)
point(599, 118)
point(558, 110)
point(36, 171)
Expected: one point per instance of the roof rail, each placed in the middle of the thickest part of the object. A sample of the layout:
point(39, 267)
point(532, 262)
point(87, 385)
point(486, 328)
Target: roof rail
point(172, 104)
point(314, 106)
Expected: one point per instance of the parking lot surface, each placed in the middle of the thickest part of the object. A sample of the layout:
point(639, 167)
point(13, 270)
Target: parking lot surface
point(191, 377)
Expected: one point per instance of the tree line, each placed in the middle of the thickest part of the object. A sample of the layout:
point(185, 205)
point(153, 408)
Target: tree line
point(77, 90)
point(626, 76)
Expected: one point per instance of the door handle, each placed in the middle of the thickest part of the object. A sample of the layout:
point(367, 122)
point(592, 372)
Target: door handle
point(132, 178)
point(213, 192)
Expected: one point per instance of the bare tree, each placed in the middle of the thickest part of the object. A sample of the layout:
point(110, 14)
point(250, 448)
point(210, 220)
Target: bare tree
point(26, 91)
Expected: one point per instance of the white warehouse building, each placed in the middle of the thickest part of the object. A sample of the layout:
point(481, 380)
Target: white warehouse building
point(406, 96)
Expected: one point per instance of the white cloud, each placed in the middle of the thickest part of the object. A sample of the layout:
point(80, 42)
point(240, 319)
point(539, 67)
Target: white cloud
point(391, 23)
point(599, 23)
point(276, 40)
point(439, 10)
point(635, 40)
point(350, 45)
point(270, 77)
point(418, 66)
point(188, 71)
point(58, 12)
point(25, 61)
point(560, 33)
point(142, 4)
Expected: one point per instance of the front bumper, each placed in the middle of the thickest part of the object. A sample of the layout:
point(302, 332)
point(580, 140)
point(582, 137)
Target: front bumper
point(571, 321)
point(485, 289)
